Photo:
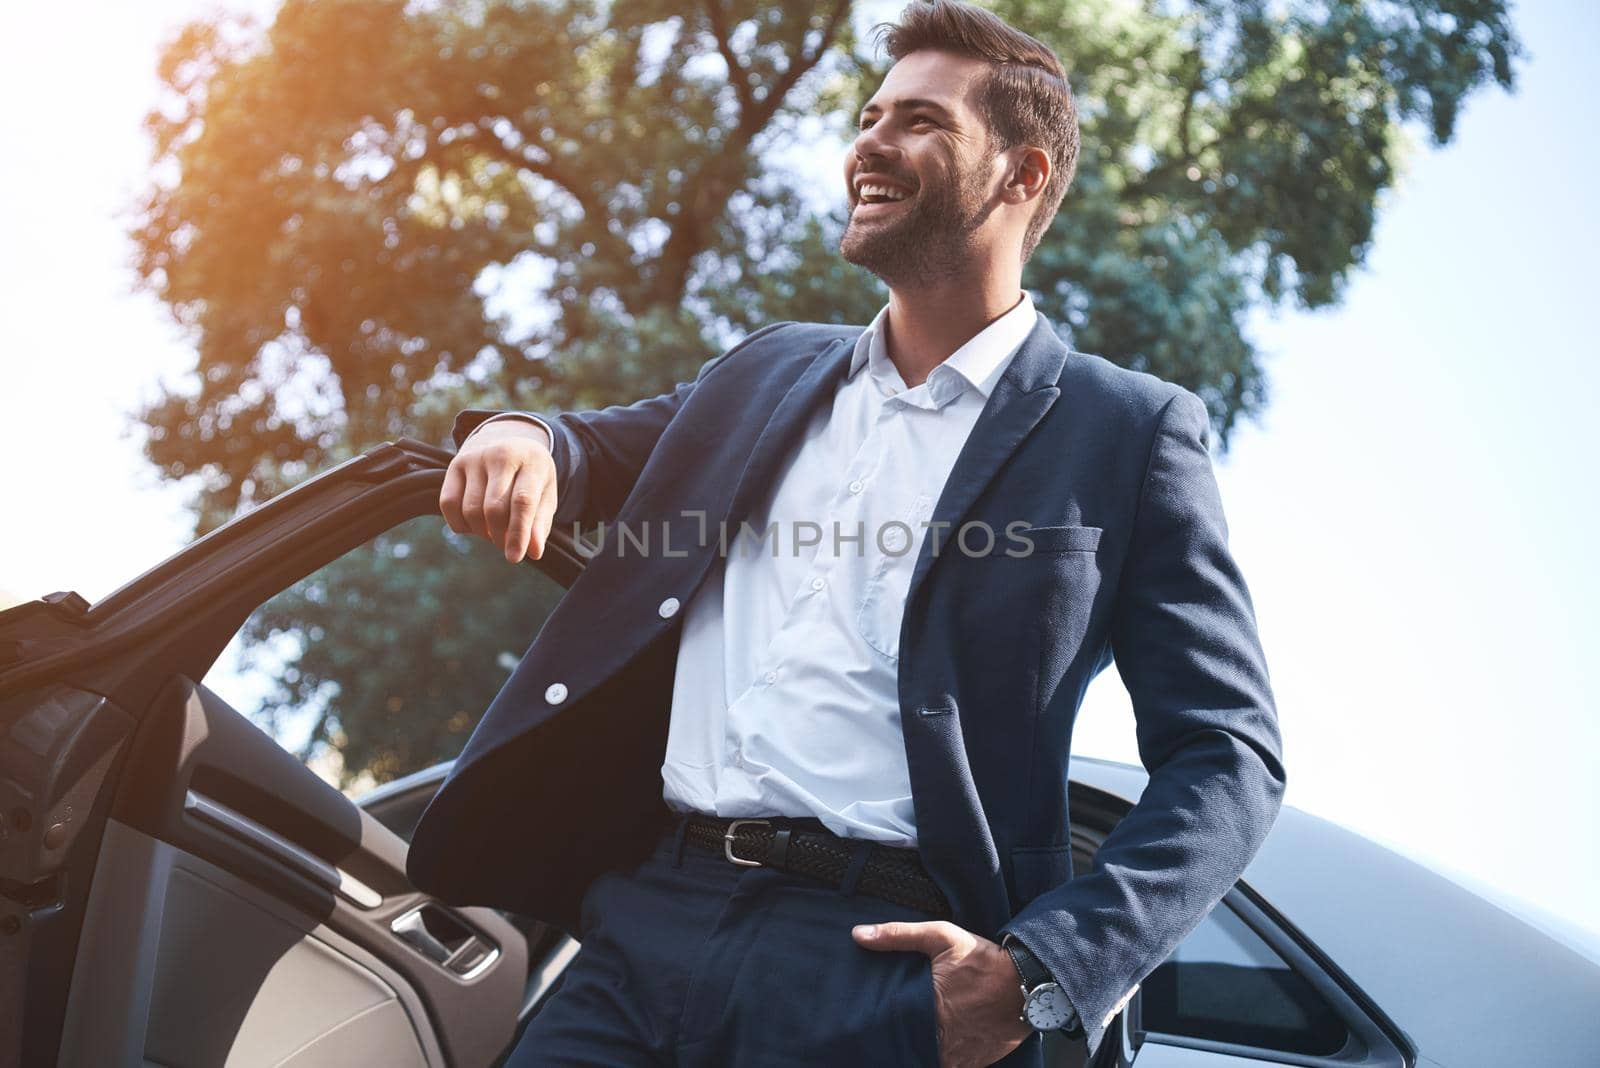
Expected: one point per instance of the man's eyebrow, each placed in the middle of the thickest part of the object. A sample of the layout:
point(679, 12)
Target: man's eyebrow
point(912, 103)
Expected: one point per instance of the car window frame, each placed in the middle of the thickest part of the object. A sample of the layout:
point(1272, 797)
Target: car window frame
point(1368, 1041)
point(1372, 1038)
point(556, 567)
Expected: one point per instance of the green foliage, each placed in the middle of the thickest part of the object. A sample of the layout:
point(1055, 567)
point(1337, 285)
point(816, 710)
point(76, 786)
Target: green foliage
point(370, 214)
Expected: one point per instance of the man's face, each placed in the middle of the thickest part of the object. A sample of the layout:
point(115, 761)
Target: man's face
point(922, 174)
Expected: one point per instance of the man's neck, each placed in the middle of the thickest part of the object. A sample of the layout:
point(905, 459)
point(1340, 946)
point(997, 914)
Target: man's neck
point(927, 325)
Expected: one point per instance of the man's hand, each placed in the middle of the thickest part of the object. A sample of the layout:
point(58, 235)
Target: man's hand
point(502, 486)
point(977, 992)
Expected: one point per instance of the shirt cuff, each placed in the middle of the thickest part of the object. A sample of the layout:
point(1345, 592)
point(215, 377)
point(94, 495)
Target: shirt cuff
point(550, 435)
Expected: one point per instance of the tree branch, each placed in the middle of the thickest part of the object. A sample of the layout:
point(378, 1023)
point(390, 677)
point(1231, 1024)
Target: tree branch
point(594, 209)
point(547, 168)
point(738, 76)
point(724, 173)
point(802, 65)
point(1195, 84)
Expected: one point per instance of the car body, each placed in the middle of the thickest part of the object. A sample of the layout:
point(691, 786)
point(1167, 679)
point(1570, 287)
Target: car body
point(177, 888)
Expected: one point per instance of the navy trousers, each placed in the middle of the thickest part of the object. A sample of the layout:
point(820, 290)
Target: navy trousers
point(690, 960)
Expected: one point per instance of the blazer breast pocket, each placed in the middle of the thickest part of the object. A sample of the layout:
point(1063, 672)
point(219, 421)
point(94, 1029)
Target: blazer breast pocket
point(1049, 541)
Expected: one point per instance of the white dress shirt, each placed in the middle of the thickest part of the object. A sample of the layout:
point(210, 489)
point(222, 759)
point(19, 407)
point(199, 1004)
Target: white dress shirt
point(786, 698)
point(804, 624)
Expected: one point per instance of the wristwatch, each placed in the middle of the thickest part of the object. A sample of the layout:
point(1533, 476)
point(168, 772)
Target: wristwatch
point(1044, 1004)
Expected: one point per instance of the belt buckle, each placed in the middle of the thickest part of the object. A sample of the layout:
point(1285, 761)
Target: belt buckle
point(727, 842)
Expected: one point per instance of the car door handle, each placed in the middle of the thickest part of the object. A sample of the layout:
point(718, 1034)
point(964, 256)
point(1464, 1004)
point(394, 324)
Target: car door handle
point(425, 929)
point(442, 937)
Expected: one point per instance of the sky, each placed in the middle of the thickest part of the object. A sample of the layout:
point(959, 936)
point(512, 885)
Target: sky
point(1412, 513)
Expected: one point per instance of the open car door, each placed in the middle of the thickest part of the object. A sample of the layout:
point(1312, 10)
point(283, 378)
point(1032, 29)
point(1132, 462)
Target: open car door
point(176, 889)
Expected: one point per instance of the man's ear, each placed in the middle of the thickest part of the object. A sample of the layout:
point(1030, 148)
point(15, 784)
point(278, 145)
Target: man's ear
point(1029, 175)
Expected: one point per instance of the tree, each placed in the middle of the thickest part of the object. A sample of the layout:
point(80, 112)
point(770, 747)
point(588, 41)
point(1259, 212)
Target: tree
point(369, 214)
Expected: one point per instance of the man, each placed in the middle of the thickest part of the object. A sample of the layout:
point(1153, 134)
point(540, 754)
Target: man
point(803, 798)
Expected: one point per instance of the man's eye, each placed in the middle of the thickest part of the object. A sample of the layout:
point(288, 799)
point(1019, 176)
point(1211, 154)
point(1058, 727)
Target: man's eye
point(923, 120)
point(866, 124)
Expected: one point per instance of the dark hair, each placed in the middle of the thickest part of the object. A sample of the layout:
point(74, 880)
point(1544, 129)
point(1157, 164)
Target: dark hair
point(1025, 99)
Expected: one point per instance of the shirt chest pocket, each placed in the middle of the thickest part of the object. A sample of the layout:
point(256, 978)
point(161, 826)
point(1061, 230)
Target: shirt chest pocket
point(891, 548)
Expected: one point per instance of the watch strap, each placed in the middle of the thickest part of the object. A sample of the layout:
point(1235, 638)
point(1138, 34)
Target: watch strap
point(1028, 967)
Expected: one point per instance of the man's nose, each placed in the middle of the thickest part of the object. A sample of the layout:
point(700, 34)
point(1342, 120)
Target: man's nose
point(870, 143)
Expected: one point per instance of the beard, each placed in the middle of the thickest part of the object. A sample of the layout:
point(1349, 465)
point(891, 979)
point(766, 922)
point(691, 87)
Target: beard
point(929, 238)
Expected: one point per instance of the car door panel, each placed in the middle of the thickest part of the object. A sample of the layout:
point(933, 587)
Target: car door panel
point(246, 909)
point(184, 964)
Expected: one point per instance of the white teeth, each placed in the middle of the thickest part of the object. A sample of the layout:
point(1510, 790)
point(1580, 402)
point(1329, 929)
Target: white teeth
point(871, 190)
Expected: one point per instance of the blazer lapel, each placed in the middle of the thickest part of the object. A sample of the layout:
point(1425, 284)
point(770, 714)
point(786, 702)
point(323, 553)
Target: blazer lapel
point(817, 384)
point(1020, 399)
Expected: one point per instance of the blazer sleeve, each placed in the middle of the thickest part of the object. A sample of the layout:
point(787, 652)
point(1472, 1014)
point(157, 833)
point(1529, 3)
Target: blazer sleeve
point(599, 454)
point(1183, 633)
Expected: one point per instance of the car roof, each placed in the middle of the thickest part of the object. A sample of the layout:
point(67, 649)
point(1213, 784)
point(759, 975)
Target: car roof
point(1468, 981)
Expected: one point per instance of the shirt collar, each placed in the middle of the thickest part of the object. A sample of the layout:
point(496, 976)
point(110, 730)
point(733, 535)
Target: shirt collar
point(979, 363)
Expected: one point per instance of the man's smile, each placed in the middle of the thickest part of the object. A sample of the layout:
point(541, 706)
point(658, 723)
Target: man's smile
point(874, 192)
point(871, 209)
point(878, 195)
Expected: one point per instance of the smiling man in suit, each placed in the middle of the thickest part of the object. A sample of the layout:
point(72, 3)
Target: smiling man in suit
point(801, 788)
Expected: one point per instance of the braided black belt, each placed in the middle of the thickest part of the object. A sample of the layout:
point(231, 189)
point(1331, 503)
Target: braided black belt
point(889, 873)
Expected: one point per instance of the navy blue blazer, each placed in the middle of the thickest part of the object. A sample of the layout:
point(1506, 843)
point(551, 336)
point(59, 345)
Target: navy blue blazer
point(1130, 561)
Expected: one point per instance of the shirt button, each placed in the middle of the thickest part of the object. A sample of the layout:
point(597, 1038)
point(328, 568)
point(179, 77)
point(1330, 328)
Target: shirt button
point(893, 537)
point(556, 693)
point(817, 583)
point(669, 608)
point(772, 676)
point(855, 487)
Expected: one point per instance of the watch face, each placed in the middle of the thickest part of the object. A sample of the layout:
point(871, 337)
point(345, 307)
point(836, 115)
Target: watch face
point(1047, 1008)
